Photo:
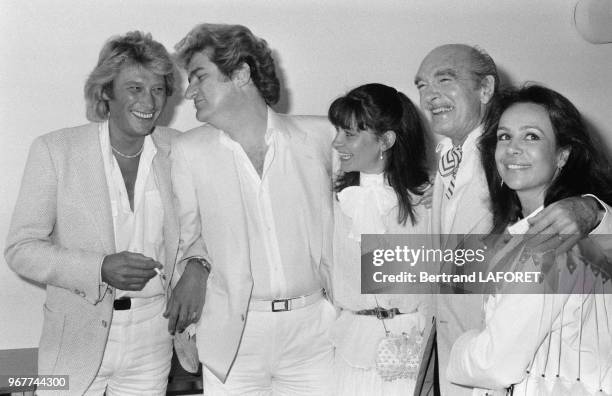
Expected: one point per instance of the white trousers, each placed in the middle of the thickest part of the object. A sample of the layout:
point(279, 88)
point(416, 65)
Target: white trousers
point(138, 352)
point(281, 353)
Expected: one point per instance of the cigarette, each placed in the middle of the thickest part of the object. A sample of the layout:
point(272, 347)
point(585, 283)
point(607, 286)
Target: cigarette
point(160, 273)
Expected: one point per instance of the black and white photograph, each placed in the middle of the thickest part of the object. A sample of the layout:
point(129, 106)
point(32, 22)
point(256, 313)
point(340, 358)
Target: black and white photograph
point(187, 187)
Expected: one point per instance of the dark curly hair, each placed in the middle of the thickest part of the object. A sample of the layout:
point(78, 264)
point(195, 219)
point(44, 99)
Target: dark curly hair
point(587, 170)
point(381, 108)
point(231, 46)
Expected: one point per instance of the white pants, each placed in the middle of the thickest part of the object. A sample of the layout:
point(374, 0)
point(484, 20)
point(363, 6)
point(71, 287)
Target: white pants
point(281, 353)
point(138, 352)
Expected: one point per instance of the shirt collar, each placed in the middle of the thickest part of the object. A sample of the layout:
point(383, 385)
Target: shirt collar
point(272, 131)
point(372, 180)
point(468, 145)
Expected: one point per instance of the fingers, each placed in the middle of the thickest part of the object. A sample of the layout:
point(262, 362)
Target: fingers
point(139, 261)
point(183, 319)
point(172, 313)
point(134, 286)
point(539, 223)
point(128, 271)
point(185, 305)
point(568, 243)
point(180, 316)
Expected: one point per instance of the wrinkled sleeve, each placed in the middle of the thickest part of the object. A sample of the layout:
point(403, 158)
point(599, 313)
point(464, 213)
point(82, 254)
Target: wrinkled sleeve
point(31, 250)
point(498, 356)
point(191, 242)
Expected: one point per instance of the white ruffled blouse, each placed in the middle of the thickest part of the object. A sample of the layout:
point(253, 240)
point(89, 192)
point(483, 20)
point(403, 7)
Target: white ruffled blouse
point(370, 208)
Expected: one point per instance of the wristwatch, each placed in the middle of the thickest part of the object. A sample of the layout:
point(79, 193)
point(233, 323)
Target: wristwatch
point(201, 261)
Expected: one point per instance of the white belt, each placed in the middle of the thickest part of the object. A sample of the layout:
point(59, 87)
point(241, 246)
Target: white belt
point(286, 304)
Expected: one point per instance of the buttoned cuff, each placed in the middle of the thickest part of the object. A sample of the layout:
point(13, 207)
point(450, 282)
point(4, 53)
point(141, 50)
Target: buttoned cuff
point(602, 227)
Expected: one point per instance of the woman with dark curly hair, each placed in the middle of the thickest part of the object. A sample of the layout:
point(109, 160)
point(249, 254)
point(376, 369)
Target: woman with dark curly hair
point(538, 151)
point(380, 143)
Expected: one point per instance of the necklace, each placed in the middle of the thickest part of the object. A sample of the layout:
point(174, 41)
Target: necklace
point(129, 156)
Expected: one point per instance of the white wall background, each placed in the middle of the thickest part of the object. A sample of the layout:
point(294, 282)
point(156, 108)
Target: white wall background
point(324, 48)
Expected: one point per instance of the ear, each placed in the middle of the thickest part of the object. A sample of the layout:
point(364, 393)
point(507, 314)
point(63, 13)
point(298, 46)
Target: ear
point(487, 87)
point(388, 140)
point(562, 157)
point(242, 75)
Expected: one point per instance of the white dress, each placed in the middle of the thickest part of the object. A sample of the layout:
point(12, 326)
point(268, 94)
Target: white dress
point(356, 337)
point(542, 343)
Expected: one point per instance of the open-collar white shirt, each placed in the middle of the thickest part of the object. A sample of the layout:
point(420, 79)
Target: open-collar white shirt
point(141, 230)
point(271, 277)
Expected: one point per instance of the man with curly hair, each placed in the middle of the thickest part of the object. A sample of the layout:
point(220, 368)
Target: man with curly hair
point(253, 191)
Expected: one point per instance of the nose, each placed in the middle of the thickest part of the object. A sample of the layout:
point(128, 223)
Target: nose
point(514, 147)
point(190, 92)
point(338, 140)
point(429, 93)
point(147, 99)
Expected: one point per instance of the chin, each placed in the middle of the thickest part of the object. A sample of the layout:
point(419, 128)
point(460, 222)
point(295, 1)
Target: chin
point(347, 169)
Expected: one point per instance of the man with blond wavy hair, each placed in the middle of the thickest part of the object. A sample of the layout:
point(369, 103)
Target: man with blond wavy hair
point(94, 222)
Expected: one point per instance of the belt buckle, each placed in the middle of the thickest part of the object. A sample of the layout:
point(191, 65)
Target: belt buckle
point(382, 313)
point(284, 305)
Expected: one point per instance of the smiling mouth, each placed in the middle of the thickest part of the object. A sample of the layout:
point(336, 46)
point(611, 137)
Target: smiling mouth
point(517, 166)
point(441, 110)
point(145, 116)
point(345, 156)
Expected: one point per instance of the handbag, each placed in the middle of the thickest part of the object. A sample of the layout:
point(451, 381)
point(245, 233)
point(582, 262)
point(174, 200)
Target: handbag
point(398, 355)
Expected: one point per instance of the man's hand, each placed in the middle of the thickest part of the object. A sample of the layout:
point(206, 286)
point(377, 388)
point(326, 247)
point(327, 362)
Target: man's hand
point(187, 300)
point(128, 271)
point(562, 224)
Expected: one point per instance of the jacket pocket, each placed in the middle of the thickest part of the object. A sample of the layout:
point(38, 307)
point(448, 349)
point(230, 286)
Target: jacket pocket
point(50, 340)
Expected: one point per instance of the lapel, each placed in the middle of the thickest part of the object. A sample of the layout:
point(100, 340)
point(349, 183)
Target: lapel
point(161, 172)
point(219, 169)
point(473, 209)
point(96, 200)
point(436, 212)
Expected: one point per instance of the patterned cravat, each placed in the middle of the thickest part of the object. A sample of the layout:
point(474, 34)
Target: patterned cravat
point(448, 166)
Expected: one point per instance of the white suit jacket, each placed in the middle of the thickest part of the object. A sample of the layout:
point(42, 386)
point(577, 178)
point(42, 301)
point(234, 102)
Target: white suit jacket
point(457, 313)
point(61, 230)
point(214, 223)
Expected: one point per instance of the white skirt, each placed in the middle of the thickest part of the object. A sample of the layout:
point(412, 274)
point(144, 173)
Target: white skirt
point(356, 338)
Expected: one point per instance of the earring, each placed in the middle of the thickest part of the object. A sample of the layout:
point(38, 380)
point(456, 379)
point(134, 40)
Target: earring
point(381, 154)
point(501, 184)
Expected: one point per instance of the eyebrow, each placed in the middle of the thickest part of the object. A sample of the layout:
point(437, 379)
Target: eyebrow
point(438, 73)
point(522, 128)
point(193, 72)
point(537, 128)
point(446, 72)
